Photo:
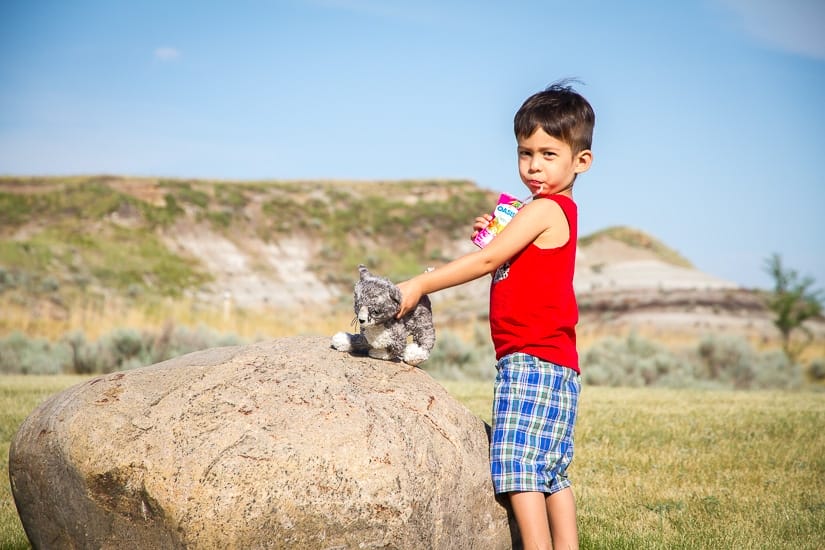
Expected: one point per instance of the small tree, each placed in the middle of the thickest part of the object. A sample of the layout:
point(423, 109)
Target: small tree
point(793, 301)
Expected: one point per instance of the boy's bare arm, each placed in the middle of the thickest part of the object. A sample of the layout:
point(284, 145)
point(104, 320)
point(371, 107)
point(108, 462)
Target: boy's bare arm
point(531, 222)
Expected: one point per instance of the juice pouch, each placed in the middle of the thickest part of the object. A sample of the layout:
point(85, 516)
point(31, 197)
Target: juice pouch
point(507, 207)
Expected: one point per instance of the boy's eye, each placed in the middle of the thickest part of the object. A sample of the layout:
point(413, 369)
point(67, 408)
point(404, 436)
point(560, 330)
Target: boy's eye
point(549, 154)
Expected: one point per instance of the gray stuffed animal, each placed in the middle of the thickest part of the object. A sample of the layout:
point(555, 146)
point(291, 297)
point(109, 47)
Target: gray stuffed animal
point(383, 336)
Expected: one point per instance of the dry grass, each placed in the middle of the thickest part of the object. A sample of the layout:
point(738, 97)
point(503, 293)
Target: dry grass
point(95, 320)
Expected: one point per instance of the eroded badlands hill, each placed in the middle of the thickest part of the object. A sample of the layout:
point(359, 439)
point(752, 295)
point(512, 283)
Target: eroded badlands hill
point(293, 245)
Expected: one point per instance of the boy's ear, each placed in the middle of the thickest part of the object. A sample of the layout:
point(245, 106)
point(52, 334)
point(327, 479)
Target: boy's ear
point(583, 160)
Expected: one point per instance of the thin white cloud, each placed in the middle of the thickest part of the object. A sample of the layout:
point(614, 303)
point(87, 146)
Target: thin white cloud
point(166, 53)
point(794, 26)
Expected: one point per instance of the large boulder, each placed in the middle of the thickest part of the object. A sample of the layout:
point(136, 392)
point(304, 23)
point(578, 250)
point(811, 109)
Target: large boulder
point(283, 444)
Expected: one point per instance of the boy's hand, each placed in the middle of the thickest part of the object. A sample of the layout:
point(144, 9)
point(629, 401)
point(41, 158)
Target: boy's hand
point(410, 295)
point(480, 223)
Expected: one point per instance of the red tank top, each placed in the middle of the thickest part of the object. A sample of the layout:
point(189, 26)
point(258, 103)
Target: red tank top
point(532, 304)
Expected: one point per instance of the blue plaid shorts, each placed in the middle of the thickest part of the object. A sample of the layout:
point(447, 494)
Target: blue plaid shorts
point(534, 413)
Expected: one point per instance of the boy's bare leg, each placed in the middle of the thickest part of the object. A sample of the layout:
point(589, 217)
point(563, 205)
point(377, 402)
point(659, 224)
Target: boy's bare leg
point(561, 509)
point(530, 510)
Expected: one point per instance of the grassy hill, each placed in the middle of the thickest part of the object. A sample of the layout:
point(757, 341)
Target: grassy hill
point(63, 237)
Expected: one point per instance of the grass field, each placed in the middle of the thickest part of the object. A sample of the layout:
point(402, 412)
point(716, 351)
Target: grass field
point(654, 469)
point(687, 469)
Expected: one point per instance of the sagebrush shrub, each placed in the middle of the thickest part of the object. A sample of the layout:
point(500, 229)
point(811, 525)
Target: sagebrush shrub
point(633, 361)
point(817, 369)
point(727, 359)
point(732, 362)
point(22, 355)
point(120, 349)
point(124, 345)
point(455, 359)
point(775, 370)
point(84, 358)
point(717, 361)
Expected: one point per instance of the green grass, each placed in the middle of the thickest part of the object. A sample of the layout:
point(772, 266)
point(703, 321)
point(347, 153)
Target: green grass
point(654, 469)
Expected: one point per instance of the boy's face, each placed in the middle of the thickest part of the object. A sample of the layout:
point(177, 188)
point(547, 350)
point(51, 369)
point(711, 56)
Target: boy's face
point(548, 166)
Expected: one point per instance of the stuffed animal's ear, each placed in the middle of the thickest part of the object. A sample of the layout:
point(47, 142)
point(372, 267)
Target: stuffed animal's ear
point(363, 271)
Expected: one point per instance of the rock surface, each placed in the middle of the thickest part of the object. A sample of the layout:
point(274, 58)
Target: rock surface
point(283, 444)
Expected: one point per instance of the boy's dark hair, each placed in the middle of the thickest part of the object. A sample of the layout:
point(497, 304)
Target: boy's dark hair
point(561, 112)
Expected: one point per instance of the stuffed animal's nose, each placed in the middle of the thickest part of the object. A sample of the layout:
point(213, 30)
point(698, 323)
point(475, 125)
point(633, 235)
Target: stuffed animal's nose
point(363, 315)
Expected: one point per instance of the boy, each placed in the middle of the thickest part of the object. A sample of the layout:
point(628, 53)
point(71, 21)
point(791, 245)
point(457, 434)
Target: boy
point(533, 314)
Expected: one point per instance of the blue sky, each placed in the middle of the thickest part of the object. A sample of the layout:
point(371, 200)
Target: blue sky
point(710, 124)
